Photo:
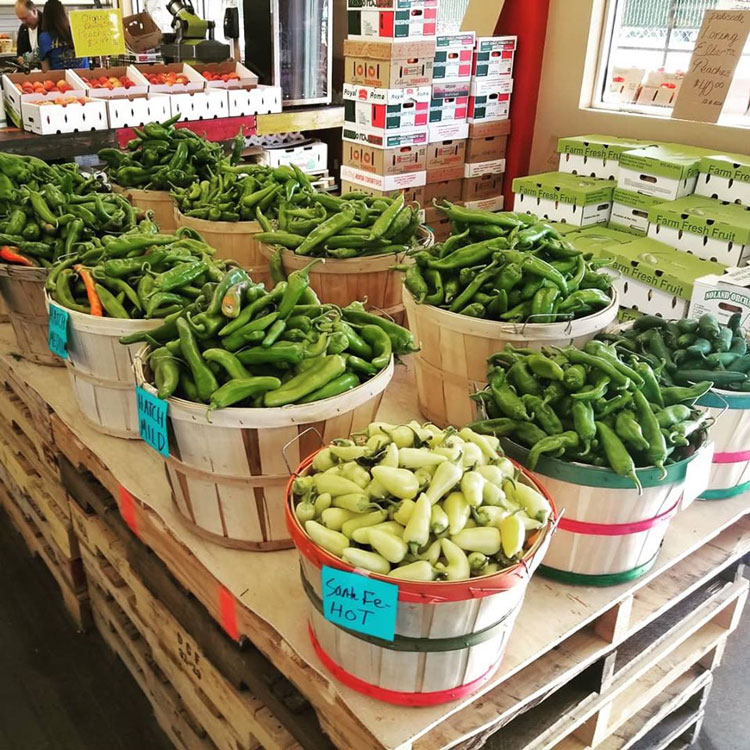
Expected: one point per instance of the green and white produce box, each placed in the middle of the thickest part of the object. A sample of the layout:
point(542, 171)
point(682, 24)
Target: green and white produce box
point(725, 177)
point(708, 228)
point(722, 295)
point(630, 211)
point(652, 277)
point(667, 171)
point(564, 197)
point(595, 155)
point(592, 239)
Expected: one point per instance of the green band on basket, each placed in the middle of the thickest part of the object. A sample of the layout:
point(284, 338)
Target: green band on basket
point(406, 643)
point(724, 400)
point(725, 493)
point(595, 476)
point(606, 579)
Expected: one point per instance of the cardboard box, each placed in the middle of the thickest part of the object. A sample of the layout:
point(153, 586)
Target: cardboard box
point(13, 97)
point(133, 111)
point(495, 203)
point(382, 161)
point(559, 196)
point(478, 168)
point(376, 110)
point(446, 131)
point(624, 84)
point(449, 103)
point(388, 4)
point(448, 153)
point(708, 228)
point(488, 129)
point(454, 56)
point(440, 226)
point(140, 86)
point(490, 99)
point(141, 32)
point(652, 277)
point(411, 195)
point(50, 119)
point(595, 155)
point(196, 82)
point(445, 174)
point(667, 171)
point(261, 100)
point(485, 186)
point(386, 183)
point(722, 295)
point(725, 177)
point(309, 157)
point(660, 89)
point(385, 140)
point(450, 90)
point(486, 149)
point(450, 191)
point(414, 20)
point(200, 105)
point(247, 79)
point(493, 56)
point(388, 65)
point(630, 211)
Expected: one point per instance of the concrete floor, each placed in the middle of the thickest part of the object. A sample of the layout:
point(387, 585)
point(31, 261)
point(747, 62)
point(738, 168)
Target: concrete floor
point(727, 723)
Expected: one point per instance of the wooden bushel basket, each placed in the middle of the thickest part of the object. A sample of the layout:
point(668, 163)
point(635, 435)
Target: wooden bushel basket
point(4, 317)
point(158, 201)
point(452, 363)
point(232, 240)
point(228, 476)
point(101, 371)
point(370, 279)
point(22, 291)
point(608, 534)
point(450, 636)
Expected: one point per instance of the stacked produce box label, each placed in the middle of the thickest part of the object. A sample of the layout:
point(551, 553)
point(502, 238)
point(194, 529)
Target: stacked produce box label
point(595, 155)
point(725, 177)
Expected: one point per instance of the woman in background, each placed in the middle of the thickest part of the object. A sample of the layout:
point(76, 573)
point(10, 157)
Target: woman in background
point(56, 50)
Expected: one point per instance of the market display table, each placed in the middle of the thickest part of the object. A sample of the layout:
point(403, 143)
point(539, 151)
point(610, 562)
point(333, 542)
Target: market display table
point(590, 667)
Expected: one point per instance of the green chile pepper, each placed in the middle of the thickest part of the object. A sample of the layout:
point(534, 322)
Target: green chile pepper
point(205, 381)
point(617, 454)
point(584, 422)
point(555, 444)
point(543, 414)
point(329, 368)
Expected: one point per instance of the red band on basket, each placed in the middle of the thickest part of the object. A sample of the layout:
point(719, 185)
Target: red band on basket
point(615, 529)
point(394, 696)
point(731, 458)
point(127, 510)
point(228, 612)
point(412, 591)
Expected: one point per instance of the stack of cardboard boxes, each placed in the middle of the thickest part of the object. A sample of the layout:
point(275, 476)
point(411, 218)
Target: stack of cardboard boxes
point(424, 114)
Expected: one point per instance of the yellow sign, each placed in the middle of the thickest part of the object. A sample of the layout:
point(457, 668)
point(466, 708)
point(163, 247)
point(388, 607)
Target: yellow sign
point(97, 32)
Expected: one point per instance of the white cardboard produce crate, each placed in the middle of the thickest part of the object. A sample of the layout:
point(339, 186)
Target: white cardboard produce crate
point(261, 100)
point(134, 111)
point(208, 104)
point(309, 157)
point(68, 118)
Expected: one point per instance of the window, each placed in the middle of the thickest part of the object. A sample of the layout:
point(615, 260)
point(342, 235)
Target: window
point(646, 49)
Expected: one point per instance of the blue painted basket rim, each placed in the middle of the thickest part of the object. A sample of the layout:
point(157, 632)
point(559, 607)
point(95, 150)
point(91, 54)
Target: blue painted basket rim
point(596, 476)
point(717, 399)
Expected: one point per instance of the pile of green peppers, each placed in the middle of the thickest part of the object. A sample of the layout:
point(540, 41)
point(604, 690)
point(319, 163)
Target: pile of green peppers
point(47, 210)
point(507, 267)
point(591, 406)
point(239, 192)
point(688, 351)
point(161, 157)
point(240, 344)
point(353, 226)
point(141, 274)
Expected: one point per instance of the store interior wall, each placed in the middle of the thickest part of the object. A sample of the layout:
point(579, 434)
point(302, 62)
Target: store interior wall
point(570, 59)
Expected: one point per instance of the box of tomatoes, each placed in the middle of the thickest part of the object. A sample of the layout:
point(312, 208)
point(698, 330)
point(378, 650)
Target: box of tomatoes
point(20, 87)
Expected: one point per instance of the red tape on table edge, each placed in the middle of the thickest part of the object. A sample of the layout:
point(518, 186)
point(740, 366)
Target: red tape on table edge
point(409, 591)
point(127, 510)
point(395, 696)
point(228, 612)
point(615, 529)
point(731, 458)
point(219, 129)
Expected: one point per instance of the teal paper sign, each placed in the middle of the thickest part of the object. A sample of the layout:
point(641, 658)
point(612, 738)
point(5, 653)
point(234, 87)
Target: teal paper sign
point(152, 420)
point(57, 332)
point(360, 603)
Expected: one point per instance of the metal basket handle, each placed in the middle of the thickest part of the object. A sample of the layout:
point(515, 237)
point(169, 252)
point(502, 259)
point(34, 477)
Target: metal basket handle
point(567, 316)
point(286, 445)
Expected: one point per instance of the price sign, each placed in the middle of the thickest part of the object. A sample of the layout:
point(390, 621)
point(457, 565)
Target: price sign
point(360, 603)
point(152, 420)
point(97, 32)
point(57, 333)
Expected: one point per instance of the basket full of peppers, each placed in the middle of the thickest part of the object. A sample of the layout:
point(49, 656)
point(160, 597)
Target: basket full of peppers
point(614, 444)
point(442, 514)
point(244, 372)
point(703, 350)
point(129, 283)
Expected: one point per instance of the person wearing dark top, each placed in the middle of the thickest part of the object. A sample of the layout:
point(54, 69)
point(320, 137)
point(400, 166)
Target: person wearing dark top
point(56, 50)
point(28, 33)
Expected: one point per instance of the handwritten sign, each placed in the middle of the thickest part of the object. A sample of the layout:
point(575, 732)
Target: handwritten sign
point(57, 332)
point(717, 52)
point(152, 420)
point(97, 32)
point(360, 603)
